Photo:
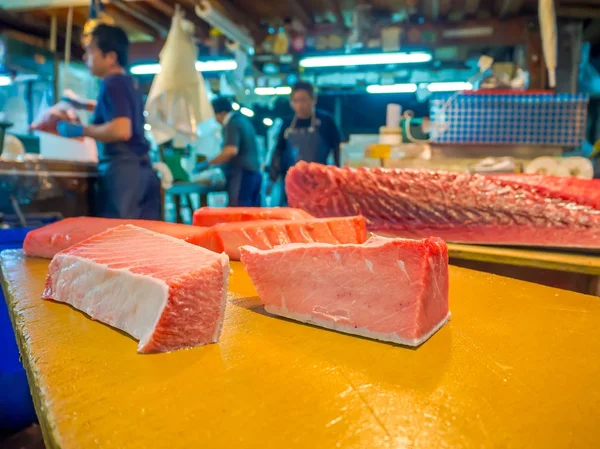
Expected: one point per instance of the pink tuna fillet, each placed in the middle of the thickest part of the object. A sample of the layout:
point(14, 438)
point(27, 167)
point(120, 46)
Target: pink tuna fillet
point(458, 207)
point(210, 216)
point(388, 289)
point(55, 237)
point(164, 292)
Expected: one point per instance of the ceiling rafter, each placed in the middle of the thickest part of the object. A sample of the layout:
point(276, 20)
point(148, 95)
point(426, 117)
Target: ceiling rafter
point(135, 29)
point(242, 18)
point(336, 8)
point(300, 9)
point(139, 14)
point(504, 8)
point(201, 27)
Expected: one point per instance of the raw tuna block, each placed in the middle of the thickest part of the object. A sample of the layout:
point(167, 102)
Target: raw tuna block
point(458, 207)
point(53, 238)
point(164, 292)
point(210, 216)
point(387, 289)
point(228, 237)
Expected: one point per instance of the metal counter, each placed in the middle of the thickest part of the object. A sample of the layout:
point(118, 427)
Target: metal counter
point(42, 185)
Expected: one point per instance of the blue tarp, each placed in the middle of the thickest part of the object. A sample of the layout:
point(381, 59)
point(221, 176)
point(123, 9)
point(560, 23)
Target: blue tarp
point(16, 406)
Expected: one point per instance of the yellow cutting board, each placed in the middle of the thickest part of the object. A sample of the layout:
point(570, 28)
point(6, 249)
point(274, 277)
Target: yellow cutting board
point(517, 366)
point(536, 258)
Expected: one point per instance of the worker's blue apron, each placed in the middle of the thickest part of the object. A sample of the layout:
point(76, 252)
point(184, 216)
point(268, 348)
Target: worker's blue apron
point(303, 144)
point(128, 186)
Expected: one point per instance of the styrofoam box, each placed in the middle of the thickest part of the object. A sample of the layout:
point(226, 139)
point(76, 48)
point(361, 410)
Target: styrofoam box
point(64, 149)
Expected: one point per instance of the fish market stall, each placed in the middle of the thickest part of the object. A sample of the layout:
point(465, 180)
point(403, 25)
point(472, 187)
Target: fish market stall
point(37, 185)
point(574, 271)
point(510, 347)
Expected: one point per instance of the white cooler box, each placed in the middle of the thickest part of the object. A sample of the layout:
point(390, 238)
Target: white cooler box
point(64, 149)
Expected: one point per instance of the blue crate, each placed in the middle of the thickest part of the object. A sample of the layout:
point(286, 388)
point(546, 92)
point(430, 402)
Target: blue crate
point(16, 406)
point(528, 119)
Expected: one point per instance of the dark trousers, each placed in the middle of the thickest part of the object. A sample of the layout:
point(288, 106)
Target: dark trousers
point(129, 188)
point(243, 188)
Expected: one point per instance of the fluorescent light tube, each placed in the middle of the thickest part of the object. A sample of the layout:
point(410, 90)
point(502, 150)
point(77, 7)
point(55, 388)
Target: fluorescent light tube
point(392, 88)
point(451, 86)
point(247, 112)
point(282, 90)
point(365, 59)
point(222, 65)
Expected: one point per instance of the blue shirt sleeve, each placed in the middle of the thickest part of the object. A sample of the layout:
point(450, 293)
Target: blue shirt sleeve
point(113, 102)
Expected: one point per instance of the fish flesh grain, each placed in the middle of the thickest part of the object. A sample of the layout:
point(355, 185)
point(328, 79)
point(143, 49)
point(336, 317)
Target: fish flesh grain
point(210, 216)
point(458, 207)
point(50, 239)
point(228, 237)
point(162, 291)
point(386, 289)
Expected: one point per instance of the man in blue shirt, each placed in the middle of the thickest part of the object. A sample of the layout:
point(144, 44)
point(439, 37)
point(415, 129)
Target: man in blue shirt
point(128, 186)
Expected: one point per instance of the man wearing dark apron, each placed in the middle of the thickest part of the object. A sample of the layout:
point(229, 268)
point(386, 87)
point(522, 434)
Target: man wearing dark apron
point(239, 158)
point(310, 135)
point(128, 186)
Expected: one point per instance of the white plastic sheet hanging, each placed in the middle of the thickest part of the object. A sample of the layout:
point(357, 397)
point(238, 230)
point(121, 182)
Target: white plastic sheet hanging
point(178, 102)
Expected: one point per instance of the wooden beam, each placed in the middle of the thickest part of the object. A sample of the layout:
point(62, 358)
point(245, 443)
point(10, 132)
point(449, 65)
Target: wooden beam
point(145, 51)
point(334, 6)
point(505, 8)
point(201, 27)
point(478, 32)
point(157, 17)
point(242, 18)
point(578, 12)
point(140, 15)
point(133, 27)
point(471, 7)
point(26, 24)
point(535, 58)
point(300, 9)
point(161, 6)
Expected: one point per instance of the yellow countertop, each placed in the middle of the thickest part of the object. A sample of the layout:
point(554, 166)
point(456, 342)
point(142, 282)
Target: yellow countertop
point(517, 366)
point(537, 258)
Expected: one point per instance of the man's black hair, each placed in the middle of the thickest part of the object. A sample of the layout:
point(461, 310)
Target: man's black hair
point(112, 38)
point(221, 104)
point(303, 85)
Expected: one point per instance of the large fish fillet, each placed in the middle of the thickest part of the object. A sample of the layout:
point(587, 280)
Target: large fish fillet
point(210, 216)
point(457, 207)
point(228, 237)
point(388, 289)
point(53, 238)
point(164, 292)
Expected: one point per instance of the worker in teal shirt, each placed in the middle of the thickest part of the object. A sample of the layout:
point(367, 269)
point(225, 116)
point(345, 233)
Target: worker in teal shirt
point(128, 186)
point(239, 158)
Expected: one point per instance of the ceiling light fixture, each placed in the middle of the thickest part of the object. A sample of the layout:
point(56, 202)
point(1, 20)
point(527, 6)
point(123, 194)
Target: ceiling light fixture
point(392, 88)
point(365, 59)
